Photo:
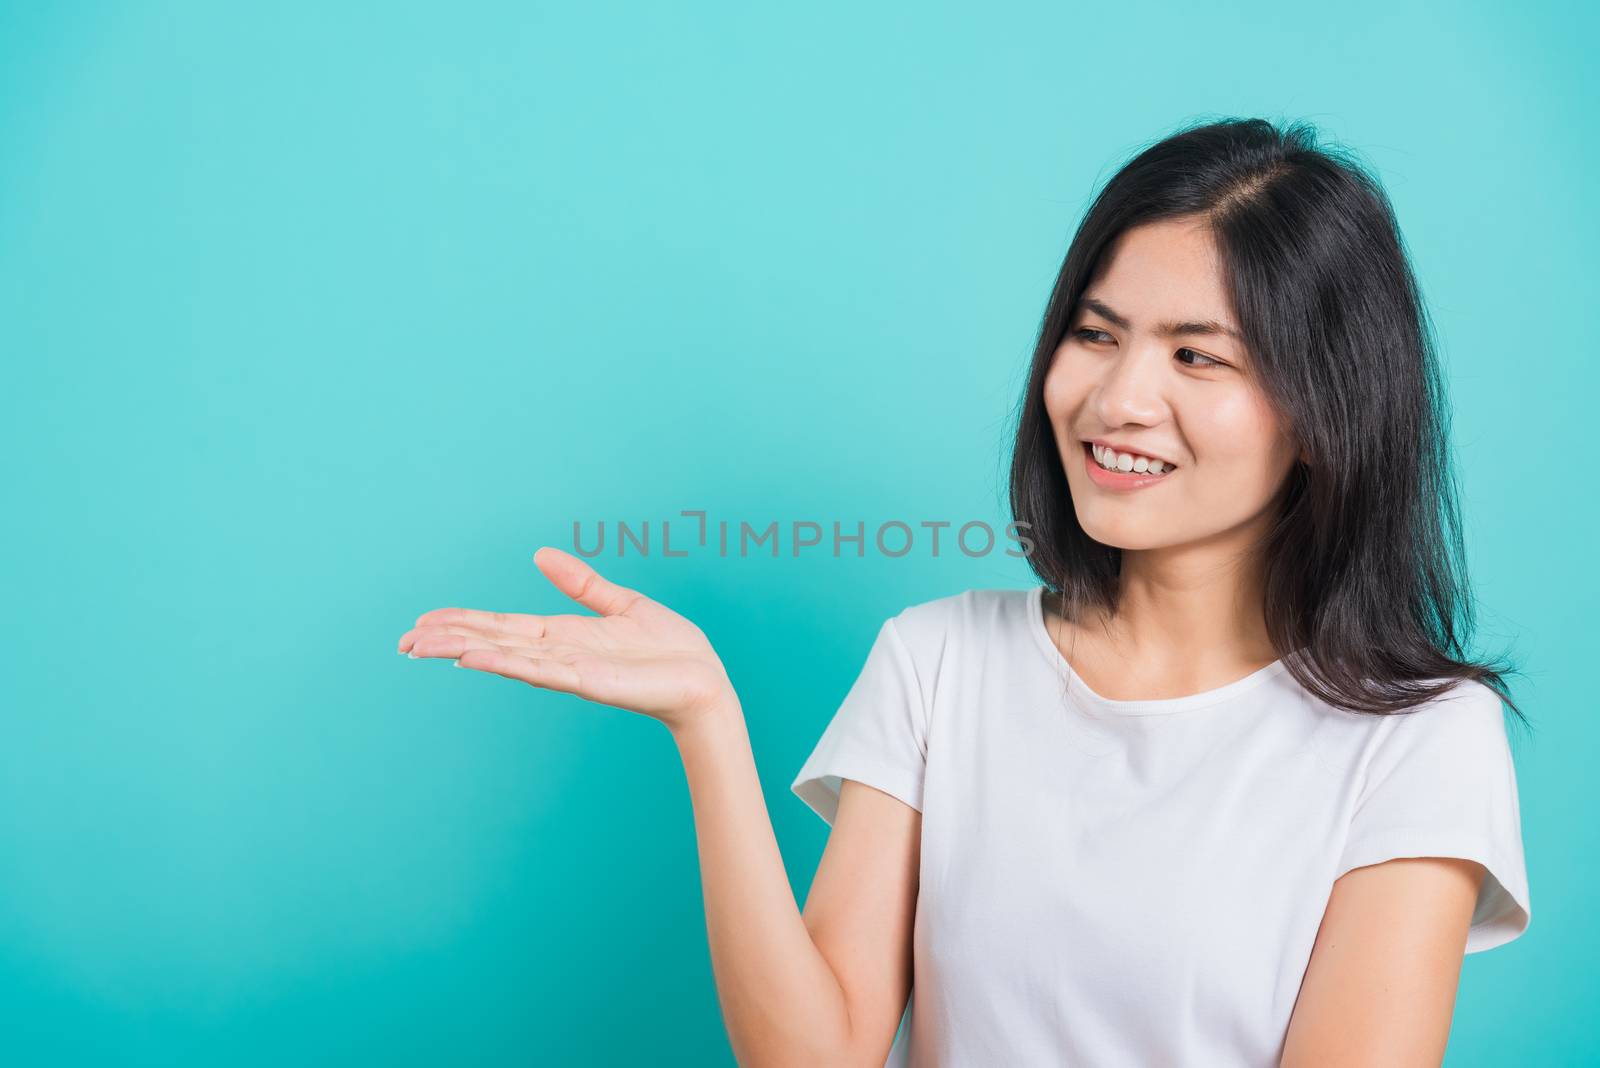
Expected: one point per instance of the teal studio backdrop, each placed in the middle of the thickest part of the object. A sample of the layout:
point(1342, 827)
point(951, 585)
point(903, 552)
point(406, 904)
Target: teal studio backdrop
point(318, 316)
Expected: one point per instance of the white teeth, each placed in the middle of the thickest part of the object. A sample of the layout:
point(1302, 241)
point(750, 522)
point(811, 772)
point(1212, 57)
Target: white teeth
point(1112, 460)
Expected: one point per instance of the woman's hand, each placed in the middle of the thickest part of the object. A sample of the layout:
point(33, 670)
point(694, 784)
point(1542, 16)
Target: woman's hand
point(636, 654)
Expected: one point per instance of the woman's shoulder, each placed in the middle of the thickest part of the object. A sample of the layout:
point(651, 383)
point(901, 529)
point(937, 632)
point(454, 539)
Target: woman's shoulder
point(1459, 705)
point(1468, 715)
point(965, 606)
point(936, 623)
point(1465, 720)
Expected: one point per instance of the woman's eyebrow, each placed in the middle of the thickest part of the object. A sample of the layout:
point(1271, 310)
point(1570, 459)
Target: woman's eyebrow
point(1190, 327)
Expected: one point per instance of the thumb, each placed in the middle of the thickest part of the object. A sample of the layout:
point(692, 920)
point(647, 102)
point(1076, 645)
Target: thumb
point(581, 582)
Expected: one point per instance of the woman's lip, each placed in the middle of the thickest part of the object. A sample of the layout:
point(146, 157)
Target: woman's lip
point(1117, 480)
point(1134, 452)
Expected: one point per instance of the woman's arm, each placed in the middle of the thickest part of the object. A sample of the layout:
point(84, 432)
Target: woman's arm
point(1381, 985)
point(827, 988)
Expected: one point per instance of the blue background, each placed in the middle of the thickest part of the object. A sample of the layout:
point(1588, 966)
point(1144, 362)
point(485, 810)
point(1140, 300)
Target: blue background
point(317, 316)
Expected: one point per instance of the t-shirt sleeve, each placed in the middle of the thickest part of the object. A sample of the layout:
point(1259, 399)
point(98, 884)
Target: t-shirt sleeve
point(1442, 784)
point(878, 735)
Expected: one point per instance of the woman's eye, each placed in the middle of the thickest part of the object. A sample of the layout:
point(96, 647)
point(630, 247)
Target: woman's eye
point(1209, 362)
point(1089, 333)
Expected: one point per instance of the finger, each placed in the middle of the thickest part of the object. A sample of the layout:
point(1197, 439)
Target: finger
point(448, 646)
point(536, 647)
point(451, 646)
point(511, 626)
point(546, 674)
point(583, 583)
point(519, 623)
point(409, 638)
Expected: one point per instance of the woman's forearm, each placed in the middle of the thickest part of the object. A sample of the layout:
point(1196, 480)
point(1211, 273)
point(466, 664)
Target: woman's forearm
point(781, 1002)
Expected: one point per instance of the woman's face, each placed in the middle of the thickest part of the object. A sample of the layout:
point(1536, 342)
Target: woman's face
point(1152, 366)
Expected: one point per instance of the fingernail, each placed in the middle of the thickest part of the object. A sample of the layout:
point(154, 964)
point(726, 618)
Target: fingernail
point(412, 655)
point(455, 663)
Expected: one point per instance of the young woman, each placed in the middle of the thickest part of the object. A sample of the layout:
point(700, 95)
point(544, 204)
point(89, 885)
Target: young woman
point(1225, 789)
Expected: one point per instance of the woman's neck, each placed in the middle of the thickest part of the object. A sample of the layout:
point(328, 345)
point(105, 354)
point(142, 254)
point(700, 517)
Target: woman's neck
point(1185, 622)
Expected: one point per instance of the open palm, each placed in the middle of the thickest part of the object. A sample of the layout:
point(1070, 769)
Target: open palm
point(636, 654)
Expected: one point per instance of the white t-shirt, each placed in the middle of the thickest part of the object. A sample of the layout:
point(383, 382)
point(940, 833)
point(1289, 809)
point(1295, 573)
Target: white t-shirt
point(1110, 882)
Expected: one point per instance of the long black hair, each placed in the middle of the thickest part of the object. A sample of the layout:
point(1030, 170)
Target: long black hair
point(1365, 572)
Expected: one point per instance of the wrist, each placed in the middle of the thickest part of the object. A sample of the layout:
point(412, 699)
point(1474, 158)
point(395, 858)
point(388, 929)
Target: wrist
point(713, 717)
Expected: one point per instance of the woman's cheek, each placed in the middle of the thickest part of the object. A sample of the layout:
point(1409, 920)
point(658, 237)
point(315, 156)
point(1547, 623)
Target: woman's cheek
point(1240, 435)
point(1059, 389)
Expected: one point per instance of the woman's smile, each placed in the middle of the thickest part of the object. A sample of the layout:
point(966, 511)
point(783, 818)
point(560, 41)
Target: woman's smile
point(1131, 479)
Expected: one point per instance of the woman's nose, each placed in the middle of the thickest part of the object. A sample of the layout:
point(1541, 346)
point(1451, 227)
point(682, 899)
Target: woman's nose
point(1132, 389)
